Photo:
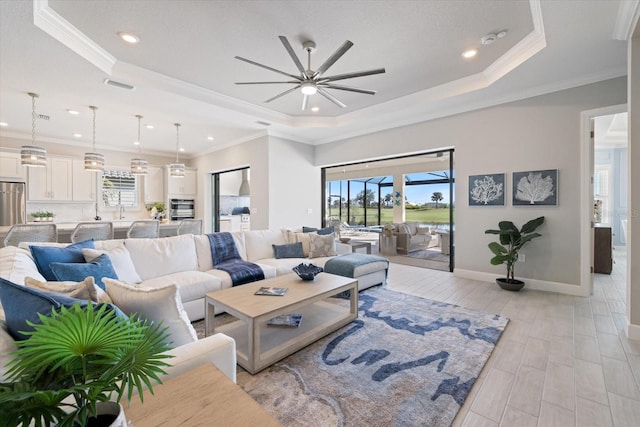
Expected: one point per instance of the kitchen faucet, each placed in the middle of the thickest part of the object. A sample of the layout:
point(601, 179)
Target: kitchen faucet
point(121, 210)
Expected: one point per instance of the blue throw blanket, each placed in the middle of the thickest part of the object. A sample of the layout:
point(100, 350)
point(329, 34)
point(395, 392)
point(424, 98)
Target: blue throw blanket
point(225, 257)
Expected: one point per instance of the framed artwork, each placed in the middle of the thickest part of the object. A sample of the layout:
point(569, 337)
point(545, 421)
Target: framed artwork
point(486, 190)
point(535, 188)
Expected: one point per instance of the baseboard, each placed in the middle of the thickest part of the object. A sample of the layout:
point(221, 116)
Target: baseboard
point(633, 331)
point(540, 285)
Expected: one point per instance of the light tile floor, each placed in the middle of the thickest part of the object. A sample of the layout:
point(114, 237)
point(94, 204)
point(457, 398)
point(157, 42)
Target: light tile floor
point(562, 360)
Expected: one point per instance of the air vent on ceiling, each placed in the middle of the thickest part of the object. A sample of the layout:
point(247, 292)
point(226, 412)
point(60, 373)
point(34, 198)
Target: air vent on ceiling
point(118, 84)
point(263, 123)
point(43, 117)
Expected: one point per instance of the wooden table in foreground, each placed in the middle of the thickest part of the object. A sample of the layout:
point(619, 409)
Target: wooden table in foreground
point(259, 345)
point(203, 396)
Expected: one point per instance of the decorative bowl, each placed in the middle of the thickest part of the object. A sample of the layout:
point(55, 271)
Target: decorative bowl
point(345, 239)
point(307, 272)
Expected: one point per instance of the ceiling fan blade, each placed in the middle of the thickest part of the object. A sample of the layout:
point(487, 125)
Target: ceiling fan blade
point(350, 89)
point(266, 83)
point(351, 75)
point(333, 58)
point(267, 67)
point(330, 97)
point(305, 102)
point(282, 94)
point(292, 54)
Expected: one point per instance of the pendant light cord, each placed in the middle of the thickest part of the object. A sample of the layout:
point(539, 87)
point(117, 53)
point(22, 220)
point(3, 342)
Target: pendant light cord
point(94, 126)
point(33, 118)
point(177, 141)
point(139, 143)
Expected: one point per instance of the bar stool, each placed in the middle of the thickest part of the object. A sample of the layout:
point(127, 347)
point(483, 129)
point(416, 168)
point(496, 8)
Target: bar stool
point(31, 233)
point(193, 226)
point(92, 230)
point(146, 228)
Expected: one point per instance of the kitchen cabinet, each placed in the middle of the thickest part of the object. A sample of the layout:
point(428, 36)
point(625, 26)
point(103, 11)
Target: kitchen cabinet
point(84, 183)
point(154, 185)
point(602, 254)
point(51, 183)
point(11, 168)
point(182, 187)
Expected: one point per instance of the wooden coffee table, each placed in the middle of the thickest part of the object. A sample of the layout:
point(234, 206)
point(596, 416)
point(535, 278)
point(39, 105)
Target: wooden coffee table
point(203, 396)
point(259, 345)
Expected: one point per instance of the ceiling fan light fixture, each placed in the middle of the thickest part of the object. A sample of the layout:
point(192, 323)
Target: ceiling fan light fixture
point(308, 88)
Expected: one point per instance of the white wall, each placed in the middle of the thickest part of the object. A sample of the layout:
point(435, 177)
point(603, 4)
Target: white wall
point(536, 133)
point(253, 154)
point(294, 185)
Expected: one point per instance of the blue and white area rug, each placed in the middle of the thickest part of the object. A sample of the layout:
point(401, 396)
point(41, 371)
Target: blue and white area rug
point(406, 361)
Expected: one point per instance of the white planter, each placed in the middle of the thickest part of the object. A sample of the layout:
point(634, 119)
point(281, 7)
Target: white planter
point(112, 408)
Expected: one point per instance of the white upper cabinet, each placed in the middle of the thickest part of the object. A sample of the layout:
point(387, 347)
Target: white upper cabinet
point(154, 185)
point(53, 182)
point(84, 183)
point(182, 187)
point(10, 167)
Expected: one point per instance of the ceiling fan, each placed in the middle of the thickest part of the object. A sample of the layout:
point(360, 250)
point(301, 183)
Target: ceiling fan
point(311, 81)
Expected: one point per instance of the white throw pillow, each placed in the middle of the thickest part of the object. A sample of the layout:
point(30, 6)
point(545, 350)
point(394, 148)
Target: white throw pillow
point(166, 255)
point(322, 245)
point(156, 305)
point(86, 289)
point(121, 260)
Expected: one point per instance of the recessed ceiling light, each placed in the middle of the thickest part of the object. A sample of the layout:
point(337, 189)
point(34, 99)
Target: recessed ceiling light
point(73, 112)
point(136, 142)
point(470, 53)
point(210, 138)
point(3, 124)
point(149, 126)
point(315, 109)
point(181, 149)
point(77, 135)
point(129, 38)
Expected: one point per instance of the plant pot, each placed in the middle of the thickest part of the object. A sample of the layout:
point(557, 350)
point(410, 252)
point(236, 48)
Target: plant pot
point(510, 285)
point(110, 414)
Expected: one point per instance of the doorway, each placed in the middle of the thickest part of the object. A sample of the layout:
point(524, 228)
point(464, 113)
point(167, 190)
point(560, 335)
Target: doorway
point(231, 200)
point(604, 197)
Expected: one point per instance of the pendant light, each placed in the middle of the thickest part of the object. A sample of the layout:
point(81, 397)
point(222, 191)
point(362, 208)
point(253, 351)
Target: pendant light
point(176, 170)
point(93, 161)
point(139, 166)
point(31, 155)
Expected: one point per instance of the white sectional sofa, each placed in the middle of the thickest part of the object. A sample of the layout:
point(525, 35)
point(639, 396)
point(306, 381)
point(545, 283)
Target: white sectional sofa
point(184, 262)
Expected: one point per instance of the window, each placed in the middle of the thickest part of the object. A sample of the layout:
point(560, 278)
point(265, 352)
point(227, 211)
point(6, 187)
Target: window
point(119, 188)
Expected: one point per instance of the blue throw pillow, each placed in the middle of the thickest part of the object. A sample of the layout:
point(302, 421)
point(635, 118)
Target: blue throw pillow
point(292, 250)
point(45, 255)
point(322, 231)
point(76, 272)
point(21, 303)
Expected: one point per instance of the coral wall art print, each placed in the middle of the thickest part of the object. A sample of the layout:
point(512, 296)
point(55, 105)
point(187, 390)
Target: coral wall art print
point(486, 190)
point(535, 188)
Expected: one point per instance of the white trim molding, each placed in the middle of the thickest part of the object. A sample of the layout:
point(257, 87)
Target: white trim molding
point(626, 21)
point(633, 331)
point(539, 285)
point(60, 29)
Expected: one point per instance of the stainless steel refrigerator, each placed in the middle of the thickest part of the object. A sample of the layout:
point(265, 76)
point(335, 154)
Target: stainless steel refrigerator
point(13, 203)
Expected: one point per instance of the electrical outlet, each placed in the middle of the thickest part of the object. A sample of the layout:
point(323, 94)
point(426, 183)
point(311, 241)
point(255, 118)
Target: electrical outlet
point(522, 257)
point(309, 211)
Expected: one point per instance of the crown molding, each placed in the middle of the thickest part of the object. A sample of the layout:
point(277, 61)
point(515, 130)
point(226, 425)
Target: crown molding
point(628, 14)
point(60, 29)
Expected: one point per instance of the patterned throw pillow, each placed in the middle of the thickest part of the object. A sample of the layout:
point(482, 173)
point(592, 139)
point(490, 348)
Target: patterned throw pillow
point(86, 289)
point(322, 245)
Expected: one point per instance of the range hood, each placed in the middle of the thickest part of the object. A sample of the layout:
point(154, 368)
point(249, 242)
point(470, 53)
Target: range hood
point(245, 189)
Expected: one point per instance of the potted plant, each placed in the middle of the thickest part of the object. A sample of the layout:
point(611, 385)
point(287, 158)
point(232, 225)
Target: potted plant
point(156, 210)
point(77, 359)
point(506, 252)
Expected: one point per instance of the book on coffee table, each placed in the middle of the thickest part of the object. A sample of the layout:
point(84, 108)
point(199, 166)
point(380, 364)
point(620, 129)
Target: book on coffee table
point(290, 320)
point(267, 290)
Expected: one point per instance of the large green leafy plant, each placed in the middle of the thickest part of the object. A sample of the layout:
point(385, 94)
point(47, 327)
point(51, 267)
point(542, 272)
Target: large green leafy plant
point(511, 241)
point(76, 358)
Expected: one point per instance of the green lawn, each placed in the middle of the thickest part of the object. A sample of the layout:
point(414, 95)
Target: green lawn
point(424, 215)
